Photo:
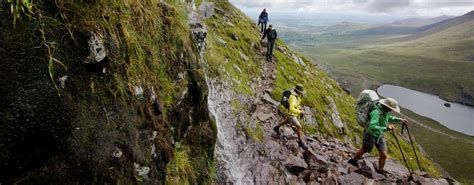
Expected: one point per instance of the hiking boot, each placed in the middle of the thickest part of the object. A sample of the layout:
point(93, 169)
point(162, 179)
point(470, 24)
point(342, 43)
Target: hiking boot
point(353, 162)
point(277, 129)
point(383, 172)
point(302, 145)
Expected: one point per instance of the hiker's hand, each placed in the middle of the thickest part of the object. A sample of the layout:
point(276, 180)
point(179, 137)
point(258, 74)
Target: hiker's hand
point(391, 127)
point(404, 121)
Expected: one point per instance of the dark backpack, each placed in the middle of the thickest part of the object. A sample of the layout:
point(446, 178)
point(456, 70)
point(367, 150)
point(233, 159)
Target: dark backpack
point(272, 34)
point(284, 99)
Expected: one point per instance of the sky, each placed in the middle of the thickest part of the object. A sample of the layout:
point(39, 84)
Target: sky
point(400, 8)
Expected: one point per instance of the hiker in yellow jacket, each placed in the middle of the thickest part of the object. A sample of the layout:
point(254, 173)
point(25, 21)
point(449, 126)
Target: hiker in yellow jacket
point(292, 111)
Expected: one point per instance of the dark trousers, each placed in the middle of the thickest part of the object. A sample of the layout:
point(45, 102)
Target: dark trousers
point(270, 45)
point(264, 26)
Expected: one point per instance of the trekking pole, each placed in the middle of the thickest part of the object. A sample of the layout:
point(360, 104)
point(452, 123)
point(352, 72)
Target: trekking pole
point(403, 155)
point(405, 126)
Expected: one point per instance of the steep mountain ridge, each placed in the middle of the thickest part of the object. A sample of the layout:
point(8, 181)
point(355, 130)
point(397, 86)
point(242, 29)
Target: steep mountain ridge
point(418, 22)
point(248, 151)
point(157, 108)
point(442, 25)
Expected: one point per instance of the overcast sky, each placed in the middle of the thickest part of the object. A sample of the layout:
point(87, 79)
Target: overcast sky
point(425, 8)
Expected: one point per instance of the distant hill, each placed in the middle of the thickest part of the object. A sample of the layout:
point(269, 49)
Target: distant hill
point(443, 25)
point(347, 27)
point(418, 22)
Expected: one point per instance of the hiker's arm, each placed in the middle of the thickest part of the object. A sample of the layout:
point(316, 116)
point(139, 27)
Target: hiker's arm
point(394, 119)
point(374, 120)
point(293, 106)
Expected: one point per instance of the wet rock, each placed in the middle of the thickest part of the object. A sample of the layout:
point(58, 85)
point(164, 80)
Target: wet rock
point(353, 178)
point(207, 9)
point(97, 49)
point(243, 56)
point(295, 165)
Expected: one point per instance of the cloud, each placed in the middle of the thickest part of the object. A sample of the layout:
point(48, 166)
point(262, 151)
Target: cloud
point(386, 5)
point(400, 7)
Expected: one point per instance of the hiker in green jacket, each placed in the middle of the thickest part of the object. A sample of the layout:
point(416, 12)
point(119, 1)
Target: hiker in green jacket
point(373, 135)
point(292, 112)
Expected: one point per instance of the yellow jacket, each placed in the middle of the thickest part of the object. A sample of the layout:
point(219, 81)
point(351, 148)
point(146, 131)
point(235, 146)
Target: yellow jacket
point(294, 109)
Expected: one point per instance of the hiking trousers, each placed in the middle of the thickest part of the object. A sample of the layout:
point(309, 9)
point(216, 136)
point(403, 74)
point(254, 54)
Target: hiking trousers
point(264, 26)
point(270, 45)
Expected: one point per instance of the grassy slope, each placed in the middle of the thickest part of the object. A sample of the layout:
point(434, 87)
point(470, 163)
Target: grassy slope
point(223, 58)
point(415, 64)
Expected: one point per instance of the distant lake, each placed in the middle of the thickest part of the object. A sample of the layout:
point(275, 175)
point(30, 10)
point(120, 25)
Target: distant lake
point(458, 117)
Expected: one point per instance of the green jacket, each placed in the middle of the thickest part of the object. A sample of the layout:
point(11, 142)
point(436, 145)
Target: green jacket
point(379, 121)
point(294, 109)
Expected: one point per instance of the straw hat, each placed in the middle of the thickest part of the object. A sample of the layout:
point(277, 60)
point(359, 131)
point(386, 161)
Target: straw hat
point(391, 104)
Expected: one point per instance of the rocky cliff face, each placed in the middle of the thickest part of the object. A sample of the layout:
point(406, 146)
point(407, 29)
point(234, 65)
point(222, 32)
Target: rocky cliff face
point(155, 92)
point(100, 91)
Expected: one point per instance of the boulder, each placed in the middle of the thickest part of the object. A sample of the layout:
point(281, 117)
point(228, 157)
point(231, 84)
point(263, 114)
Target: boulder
point(367, 168)
point(336, 119)
point(353, 178)
point(267, 98)
point(295, 165)
point(262, 116)
point(97, 49)
point(207, 9)
point(392, 167)
point(316, 161)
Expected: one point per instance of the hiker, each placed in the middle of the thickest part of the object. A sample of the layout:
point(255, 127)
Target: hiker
point(379, 117)
point(291, 108)
point(263, 19)
point(271, 35)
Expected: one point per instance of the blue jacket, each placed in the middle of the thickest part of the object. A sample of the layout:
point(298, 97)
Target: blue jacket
point(263, 17)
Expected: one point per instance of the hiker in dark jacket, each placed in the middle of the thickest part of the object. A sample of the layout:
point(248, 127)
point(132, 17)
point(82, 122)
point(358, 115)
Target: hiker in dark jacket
point(271, 35)
point(373, 135)
point(263, 19)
